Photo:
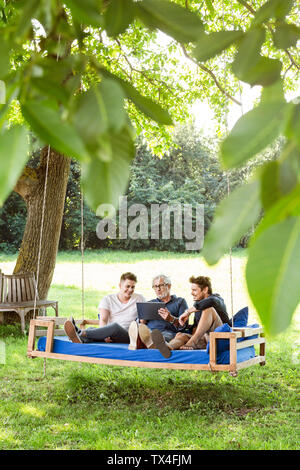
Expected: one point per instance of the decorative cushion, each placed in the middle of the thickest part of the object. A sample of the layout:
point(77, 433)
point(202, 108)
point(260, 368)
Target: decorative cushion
point(222, 344)
point(240, 319)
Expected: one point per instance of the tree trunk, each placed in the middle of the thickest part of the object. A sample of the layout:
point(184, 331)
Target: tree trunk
point(31, 187)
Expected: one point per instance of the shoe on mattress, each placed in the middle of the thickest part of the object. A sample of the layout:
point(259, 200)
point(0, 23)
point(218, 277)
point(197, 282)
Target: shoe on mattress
point(71, 332)
point(133, 332)
point(135, 340)
point(159, 343)
point(74, 323)
point(145, 335)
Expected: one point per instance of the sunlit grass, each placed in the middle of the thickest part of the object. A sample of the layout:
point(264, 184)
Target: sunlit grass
point(86, 406)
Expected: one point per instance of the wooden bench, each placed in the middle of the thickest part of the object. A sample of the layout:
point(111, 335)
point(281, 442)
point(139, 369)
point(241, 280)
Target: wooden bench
point(17, 294)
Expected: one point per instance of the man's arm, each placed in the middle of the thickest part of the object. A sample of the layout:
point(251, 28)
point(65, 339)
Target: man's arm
point(211, 301)
point(165, 314)
point(104, 316)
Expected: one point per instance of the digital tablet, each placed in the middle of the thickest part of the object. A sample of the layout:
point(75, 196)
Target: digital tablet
point(148, 310)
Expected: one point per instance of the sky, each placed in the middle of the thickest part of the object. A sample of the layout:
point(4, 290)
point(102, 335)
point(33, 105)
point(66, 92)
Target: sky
point(204, 115)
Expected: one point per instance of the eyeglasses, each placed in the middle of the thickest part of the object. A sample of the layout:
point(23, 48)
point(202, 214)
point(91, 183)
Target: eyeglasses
point(159, 286)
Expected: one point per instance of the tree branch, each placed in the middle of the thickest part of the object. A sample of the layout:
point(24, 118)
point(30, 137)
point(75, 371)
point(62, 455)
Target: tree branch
point(143, 73)
point(205, 69)
point(249, 7)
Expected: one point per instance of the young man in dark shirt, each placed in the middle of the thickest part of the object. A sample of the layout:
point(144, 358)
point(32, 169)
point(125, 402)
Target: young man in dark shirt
point(210, 312)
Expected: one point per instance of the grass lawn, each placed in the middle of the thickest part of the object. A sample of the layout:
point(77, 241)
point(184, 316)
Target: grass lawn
point(85, 406)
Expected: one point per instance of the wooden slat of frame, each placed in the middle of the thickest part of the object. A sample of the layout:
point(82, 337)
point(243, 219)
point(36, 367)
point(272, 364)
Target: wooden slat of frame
point(9, 291)
point(262, 349)
point(248, 331)
point(57, 332)
point(5, 289)
point(50, 337)
point(28, 291)
point(1, 289)
point(18, 288)
point(31, 337)
point(23, 290)
point(213, 350)
point(32, 287)
point(225, 335)
point(232, 352)
point(119, 362)
point(250, 342)
point(57, 320)
point(250, 362)
point(61, 321)
point(14, 289)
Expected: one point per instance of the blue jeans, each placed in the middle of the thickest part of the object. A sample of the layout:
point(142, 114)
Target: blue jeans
point(116, 332)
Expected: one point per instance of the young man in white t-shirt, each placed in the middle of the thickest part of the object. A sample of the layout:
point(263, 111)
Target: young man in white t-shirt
point(116, 311)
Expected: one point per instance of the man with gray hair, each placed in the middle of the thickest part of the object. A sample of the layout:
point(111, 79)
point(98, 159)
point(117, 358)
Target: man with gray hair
point(174, 307)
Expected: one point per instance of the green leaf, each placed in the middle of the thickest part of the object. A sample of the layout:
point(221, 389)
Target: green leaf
point(48, 67)
point(212, 44)
point(286, 35)
point(210, 6)
point(104, 181)
point(4, 58)
point(272, 274)
point(118, 16)
point(113, 97)
point(48, 125)
point(264, 72)
point(273, 93)
point(51, 88)
point(287, 206)
point(249, 51)
point(13, 156)
point(86, 12)
point(233, 217)
point(146, 105)
point(99, 109)
point(2, 92)
point(279, 177)
point(253, 132)
point(272, 9)
point(174, 20)
point(289, 170)
point(270, 190)
point(27, 14)
point(292, 130)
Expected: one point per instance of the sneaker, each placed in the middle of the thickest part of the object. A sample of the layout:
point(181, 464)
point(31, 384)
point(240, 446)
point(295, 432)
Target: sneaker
point(71, 332)
point(145, 335)
point(159, 343)
point(133, 332)
point(74, 323)
point(135, 340)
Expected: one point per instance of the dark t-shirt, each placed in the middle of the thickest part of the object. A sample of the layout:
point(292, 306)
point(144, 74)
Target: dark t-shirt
point(214, 300)
point(176, 306)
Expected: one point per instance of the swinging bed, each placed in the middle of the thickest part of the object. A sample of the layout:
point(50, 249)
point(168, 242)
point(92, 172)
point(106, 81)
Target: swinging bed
point(229, 349)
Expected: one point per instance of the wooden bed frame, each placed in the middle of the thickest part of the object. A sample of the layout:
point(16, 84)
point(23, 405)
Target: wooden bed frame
point(49, 325)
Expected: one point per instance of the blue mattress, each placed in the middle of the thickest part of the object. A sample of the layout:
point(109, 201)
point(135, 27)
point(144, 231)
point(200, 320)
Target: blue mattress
point(62, 345)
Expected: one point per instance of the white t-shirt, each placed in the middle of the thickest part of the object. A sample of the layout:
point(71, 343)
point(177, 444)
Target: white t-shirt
point(121, 313)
